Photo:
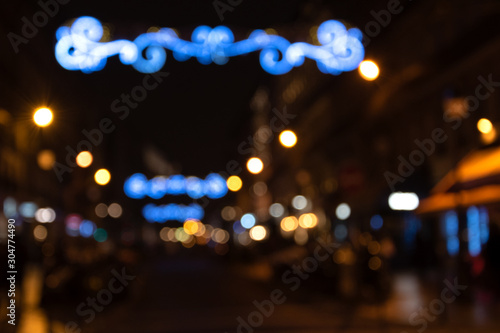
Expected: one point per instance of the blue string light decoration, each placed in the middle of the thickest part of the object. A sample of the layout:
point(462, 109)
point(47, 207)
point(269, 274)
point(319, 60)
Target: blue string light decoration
point(138, 186)
point(79, 48)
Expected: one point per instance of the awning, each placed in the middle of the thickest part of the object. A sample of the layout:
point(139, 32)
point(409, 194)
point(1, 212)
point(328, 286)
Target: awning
point(474, 181)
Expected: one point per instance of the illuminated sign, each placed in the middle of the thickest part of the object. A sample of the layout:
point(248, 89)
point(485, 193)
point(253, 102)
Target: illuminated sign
point(79, 47)
point(138, 186)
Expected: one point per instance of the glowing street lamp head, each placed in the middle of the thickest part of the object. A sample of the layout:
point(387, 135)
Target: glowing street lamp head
point(255, 165)
point(484, 126)
point(84, 159)
point(368, 70)
point(288, 139)
point(102, 177)
point(43, 117)
point(234, 183)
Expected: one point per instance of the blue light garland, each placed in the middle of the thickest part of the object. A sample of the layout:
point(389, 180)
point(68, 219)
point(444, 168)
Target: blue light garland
point(172, 212)
point(79, 48)
point(138, 186)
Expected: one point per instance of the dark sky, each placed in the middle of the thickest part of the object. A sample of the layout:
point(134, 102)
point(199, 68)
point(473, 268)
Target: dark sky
point(196, 117)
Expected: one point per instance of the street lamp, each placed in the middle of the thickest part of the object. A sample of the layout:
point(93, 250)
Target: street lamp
point(102, 176)
point(484, 126)
point(43, 117)
point(84, 159)
point(234, 183)
point(368, 70)
point(288, 139)
point(255, 165)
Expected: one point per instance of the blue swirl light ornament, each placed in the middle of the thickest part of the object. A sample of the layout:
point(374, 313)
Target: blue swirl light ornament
point(79, 48)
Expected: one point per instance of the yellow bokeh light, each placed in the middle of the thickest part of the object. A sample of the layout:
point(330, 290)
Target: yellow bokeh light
point(288, 139)
point(258, 233)
point(102, 177)
point(368, 70)
point(43, 117)
point(255, 165)
point(307, 221)
point(46, 159)
point(84, 159)
point(234, 183)
point(289, 223)
point(484, 126)
point(191, 227)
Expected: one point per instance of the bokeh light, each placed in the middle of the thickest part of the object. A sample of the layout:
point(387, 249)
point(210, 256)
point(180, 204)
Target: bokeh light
point(374, 263)
point(258, 233)
point(255, 165)
point(308, 221)
point(376, 222)
point(115, 210)
point(368, 70)
point(403, 201)
point(276, 210)
point(484, 126)
point(288, 139)
point(490, 137)
point(289, 223)
point(43, 117)
point(84, 159)
point(72, 223)
point(46, 159)
point(234, 183)
point(340, 232)
point(40, 233)
point(300, 236)
point(220, 236)
point(191, 227)
point(299, 202)
point(244, 239)
point(100, 235)
point(259, 188)
point(102, 176)
point(45, 215)
point(343, 211)
point(87, 228)
point(101, 210)
point(164, 234)
point(228, 213)
point(248, 220)
point(28, 209)
point(238, 228)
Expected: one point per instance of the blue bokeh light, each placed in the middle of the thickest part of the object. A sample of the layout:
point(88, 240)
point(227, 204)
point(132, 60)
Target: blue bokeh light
point(451, 233)
point(28, 209)
point(87, 228)
point(248, 221)
point(474, 232)
point(484, 225)
point(78, 48)
point(238, 228)
point(341, 232)
point(376, 222)
point(135, 186)
point(215, 186)
point(176, 185)
point(195, 187)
